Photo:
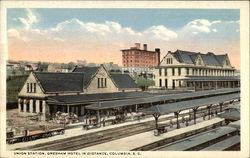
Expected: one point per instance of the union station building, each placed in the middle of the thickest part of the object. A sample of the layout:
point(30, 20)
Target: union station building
point(196, 71)
point(45, 93)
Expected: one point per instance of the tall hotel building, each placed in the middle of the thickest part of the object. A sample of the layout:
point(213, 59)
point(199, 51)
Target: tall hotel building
point(194, 70)
point(137, 60)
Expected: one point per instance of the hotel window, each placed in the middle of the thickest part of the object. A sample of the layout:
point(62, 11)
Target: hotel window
point(179, 71)
point(173, 72)
point(160, 72)
point(166, 72)
point(169, 61)
point(187, 71)
point(160, 84)
point(30, 90)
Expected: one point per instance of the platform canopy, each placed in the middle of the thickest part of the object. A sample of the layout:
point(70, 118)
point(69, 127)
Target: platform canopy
point(184, 105)
point(120, 103)
point(192, 141)
point(88, 98)
point(232, 115)
point(222, 145)
point(235, 106)
point(235, 124)
point(211, 78)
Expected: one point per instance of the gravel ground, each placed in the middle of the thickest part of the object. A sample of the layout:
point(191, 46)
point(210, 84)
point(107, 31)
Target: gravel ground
point(20, 123)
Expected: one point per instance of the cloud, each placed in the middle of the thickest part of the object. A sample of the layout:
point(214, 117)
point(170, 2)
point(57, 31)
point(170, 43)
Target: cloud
point(234, 21)
point(30, 19)
point(112, 30)
point(15, 34)
point(161, 32)
point(214, 30)
point(201, 25)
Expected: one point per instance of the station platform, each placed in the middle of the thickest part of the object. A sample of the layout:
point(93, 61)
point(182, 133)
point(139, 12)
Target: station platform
point(136, 141)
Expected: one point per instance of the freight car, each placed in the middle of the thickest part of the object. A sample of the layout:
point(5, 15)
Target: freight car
point(33, 135)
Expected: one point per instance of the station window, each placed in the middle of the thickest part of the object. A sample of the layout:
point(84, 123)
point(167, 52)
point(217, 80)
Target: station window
point(31, 87)
point(101, 82)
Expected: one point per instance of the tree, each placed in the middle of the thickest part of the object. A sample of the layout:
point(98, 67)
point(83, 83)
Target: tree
point(144, 83)
point(71, 65)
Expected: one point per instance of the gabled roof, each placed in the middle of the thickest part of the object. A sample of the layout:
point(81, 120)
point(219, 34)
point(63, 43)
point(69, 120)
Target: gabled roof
point(190, 57)
point(186, 56)
point(210, 59)
point(77, 80)
point(89, 72)
point(60, 82)
point(123, 81)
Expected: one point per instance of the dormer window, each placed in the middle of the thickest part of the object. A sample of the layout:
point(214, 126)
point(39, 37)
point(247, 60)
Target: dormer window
point(31, 87)
point(102, 82)
point(199, 62)
point(169, 61)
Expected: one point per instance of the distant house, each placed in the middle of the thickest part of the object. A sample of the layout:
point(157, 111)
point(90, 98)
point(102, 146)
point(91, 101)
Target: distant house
point(57, 68)
point(13, 65)
point(43, 92)
point(31, 67)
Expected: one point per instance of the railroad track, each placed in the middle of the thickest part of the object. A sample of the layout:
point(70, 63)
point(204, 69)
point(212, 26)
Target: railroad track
point(90, 139)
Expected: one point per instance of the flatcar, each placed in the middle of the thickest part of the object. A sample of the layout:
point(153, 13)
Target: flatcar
point(33, 135)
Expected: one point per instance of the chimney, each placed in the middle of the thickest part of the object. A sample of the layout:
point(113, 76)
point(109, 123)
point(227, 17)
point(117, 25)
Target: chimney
point(137, 45)
point(144, 46)
point(157, 50)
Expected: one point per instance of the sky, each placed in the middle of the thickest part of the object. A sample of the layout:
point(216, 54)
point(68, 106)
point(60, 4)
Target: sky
point(98, 35)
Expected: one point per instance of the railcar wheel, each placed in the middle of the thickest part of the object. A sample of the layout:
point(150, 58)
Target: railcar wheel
point(30, 138)
point(49, 134)
point(24, 139)
point(44, 135)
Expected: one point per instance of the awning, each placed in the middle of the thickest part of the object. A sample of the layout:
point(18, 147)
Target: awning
point(184, 105)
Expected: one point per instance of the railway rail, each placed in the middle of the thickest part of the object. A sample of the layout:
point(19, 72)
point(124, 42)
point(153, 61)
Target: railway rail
point(86, 140)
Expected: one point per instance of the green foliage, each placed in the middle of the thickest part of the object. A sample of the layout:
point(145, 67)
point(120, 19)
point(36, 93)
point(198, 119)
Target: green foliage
point(144, 83)
point(14, 85)
point(71, 65)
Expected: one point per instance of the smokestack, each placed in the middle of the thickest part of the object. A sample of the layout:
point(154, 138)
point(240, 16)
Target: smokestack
point(137, 45)
point(144, 46)
point(157, 50)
